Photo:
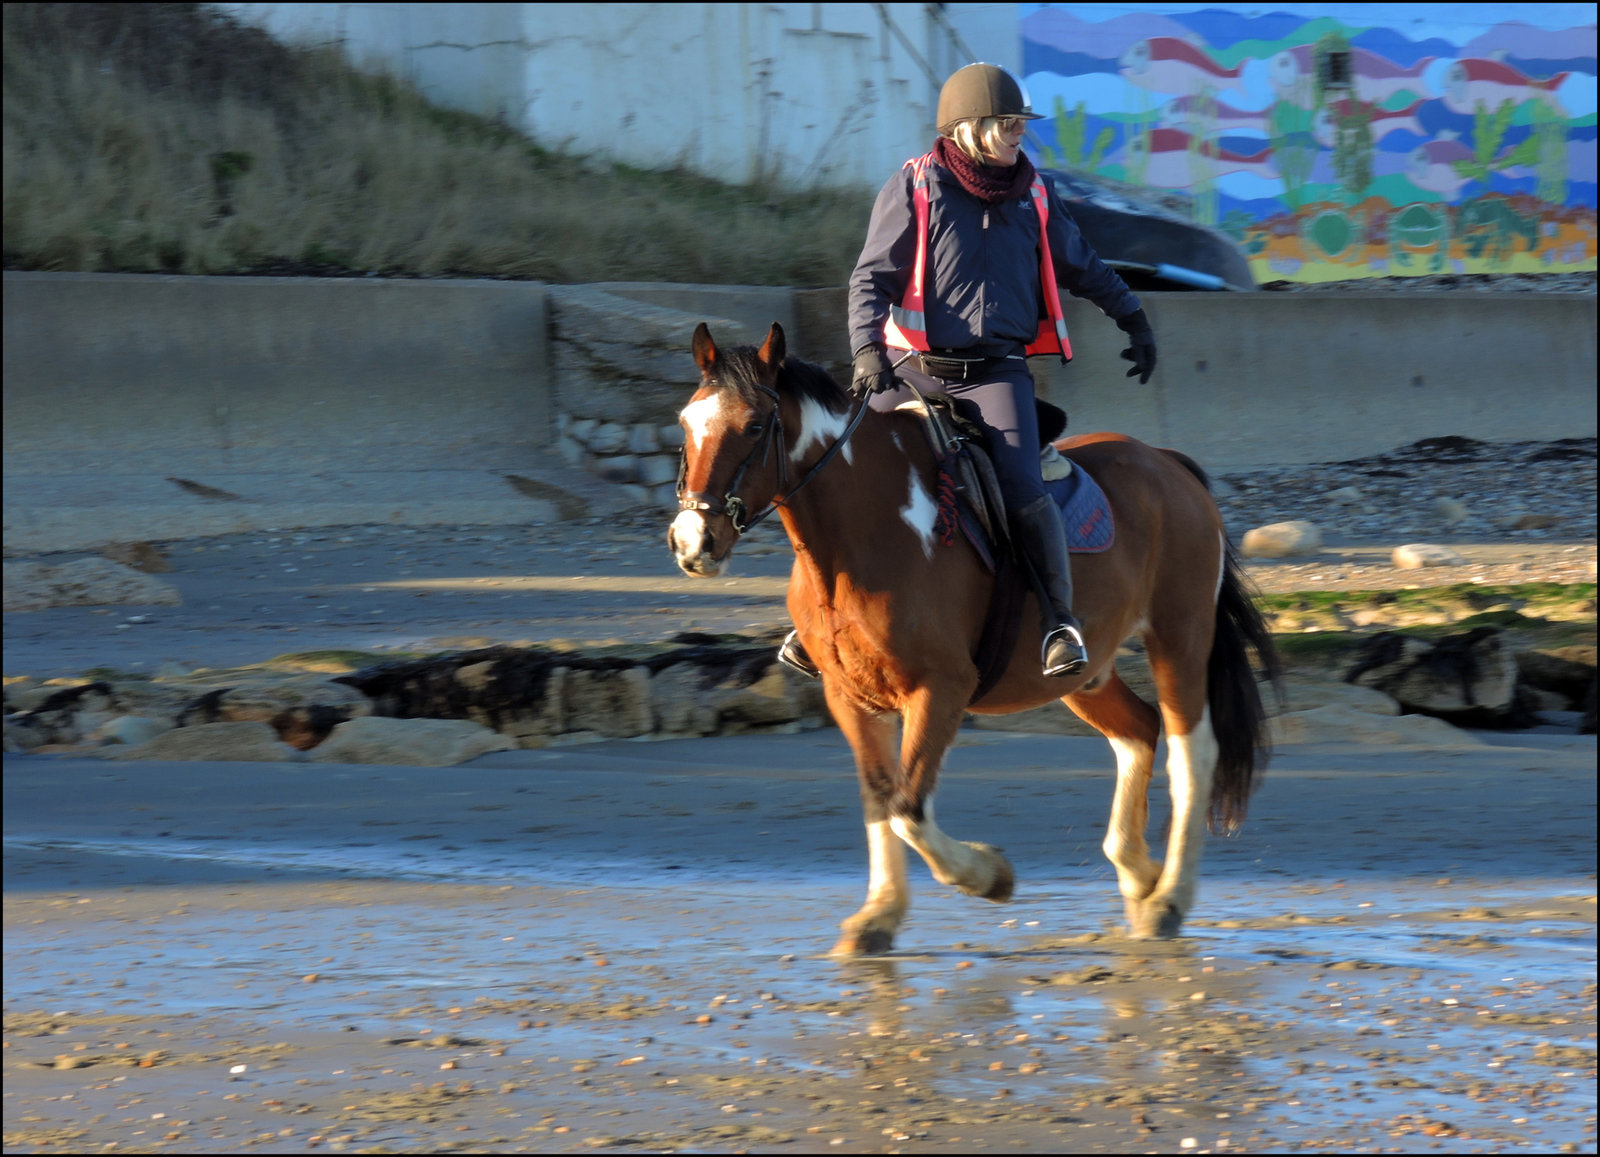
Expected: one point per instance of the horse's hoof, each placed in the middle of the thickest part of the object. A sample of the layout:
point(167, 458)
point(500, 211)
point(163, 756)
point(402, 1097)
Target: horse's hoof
point(867, 942)
point(1155, 921)
point(1005, 880)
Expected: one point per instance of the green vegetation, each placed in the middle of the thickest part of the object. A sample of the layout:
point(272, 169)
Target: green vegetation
point(171, 138)
point(1317, 629)
point(112, 675)
point(1564, 601)
point(335, 662)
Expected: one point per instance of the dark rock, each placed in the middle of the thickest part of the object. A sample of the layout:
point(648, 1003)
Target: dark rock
point(1566, 671)
point(1469, 680)
point(61, 718)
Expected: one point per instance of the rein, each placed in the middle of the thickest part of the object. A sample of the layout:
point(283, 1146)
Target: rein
point(730, 504)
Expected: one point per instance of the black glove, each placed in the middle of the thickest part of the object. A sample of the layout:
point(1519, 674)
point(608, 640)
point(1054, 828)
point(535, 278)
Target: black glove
point(874, 372)
point(1142, 353)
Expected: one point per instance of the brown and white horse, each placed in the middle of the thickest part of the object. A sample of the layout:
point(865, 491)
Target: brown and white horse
point(891, 616)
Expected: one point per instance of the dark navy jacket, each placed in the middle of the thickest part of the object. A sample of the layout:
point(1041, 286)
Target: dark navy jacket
point(983, 292)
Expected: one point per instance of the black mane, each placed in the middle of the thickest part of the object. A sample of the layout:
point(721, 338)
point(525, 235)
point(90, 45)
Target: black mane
point(736, 370)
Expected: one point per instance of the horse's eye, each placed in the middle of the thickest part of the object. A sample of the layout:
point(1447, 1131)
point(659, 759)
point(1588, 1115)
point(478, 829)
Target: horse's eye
point(753, 430)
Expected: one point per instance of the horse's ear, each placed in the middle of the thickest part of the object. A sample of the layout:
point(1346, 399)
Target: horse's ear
point(705, 350)
point(772, 349)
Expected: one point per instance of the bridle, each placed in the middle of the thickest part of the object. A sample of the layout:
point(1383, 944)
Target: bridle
point(730, 504)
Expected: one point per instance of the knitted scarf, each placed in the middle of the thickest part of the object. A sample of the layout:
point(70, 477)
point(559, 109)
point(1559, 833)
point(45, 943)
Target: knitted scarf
point(985, 182)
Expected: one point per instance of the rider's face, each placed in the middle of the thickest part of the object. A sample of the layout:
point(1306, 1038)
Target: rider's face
point(1009, 142)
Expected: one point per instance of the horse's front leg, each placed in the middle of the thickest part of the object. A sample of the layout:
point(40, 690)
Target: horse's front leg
point(871, 737)
point(1132, 727)
point(931, 720)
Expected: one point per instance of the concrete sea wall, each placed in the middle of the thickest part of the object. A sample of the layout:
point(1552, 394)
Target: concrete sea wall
point(146, 406)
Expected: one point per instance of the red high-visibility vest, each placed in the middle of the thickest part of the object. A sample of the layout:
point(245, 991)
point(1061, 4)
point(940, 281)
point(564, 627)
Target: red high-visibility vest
point(907, 327)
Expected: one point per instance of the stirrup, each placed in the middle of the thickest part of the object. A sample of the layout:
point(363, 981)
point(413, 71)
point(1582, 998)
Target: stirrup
point(1068, 639)
point(793, 654)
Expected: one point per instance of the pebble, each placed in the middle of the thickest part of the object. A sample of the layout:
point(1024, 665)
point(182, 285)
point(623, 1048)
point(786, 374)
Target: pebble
point(1420, 554)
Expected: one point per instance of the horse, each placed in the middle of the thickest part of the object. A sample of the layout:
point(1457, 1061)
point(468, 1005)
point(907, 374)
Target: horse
point(891, 616)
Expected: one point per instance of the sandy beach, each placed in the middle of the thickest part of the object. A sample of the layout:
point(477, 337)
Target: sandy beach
point(620, 947)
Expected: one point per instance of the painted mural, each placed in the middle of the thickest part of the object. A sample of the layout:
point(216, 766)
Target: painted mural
point(1329, 149)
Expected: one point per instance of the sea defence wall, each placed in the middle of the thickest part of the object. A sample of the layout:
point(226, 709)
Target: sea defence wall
point(316, 401)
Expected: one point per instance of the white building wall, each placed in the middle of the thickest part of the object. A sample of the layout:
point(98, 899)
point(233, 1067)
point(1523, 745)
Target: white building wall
point(804, 94)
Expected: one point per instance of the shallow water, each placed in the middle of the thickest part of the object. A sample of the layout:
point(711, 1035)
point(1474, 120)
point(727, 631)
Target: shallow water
point(553, 926)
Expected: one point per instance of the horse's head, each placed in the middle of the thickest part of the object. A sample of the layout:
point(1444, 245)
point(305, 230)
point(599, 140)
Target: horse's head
point(733, 450)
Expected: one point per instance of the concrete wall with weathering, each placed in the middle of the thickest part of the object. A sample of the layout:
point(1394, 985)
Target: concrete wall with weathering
point(151, 373)
point(200, 377)
point(805, 94)
point(1264, 379)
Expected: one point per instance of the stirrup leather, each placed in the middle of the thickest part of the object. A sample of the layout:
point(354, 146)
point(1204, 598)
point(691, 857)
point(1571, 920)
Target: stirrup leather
point(793, 654)
point(1070, 654)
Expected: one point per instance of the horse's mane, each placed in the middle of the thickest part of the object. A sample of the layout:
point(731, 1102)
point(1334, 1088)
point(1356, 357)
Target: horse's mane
point(737, 371)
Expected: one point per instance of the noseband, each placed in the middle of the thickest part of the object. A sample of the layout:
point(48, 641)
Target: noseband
point(730, 504)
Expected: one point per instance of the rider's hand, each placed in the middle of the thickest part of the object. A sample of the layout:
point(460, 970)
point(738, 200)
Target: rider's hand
point(873, 373)
point(1142, 353)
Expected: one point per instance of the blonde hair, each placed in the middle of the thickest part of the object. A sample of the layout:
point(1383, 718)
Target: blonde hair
point(978, 137)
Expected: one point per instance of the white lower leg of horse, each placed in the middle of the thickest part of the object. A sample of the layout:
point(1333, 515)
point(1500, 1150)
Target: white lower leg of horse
point(1125, 844)
point(887, 893)
point(1191, 764)
point(970, 867)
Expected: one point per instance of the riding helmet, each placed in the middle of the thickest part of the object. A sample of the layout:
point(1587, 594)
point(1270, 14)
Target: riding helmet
point(982, 90)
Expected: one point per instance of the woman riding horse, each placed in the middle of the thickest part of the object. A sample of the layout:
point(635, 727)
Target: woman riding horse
point(956, 271)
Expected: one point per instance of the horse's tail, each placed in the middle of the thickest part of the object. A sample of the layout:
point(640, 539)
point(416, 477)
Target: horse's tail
point(1238, 717)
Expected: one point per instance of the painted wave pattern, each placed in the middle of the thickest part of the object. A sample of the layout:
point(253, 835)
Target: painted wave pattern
point(1471, 157)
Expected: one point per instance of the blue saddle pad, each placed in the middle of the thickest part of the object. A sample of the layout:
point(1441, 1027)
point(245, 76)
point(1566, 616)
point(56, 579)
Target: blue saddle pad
point(1084, 509)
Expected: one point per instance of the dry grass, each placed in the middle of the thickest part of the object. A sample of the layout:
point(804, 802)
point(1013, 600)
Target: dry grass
point(170, 138)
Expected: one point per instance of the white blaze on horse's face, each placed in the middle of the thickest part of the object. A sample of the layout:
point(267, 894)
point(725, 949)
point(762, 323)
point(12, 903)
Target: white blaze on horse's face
point(689, 536)
point(821, 425)
point(703, 415)
point(920, 513)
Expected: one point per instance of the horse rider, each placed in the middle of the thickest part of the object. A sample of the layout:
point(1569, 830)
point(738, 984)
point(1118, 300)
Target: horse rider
point(955, 288)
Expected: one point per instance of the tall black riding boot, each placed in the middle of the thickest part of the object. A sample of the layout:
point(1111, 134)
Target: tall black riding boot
point(1043, 539)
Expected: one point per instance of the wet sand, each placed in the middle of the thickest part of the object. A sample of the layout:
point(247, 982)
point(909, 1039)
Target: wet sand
point(620, 946)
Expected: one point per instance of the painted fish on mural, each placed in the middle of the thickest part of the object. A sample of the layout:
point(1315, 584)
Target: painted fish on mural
point(1172, 159)
point(1374, 77)
point(1167, 64)
point(1202, 114)
point(1383, 123)
point(1431, 167)
point(1472, 81)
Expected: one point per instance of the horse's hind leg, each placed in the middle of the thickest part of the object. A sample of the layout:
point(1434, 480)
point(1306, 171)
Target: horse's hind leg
point(1132, 727)
point(1180, 675)
point(932, 719)
point(871, 737)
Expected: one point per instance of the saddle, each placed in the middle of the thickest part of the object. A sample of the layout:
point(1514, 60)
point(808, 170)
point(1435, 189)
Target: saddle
point(969, 497)
point(955, 430)
point(957, 439)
